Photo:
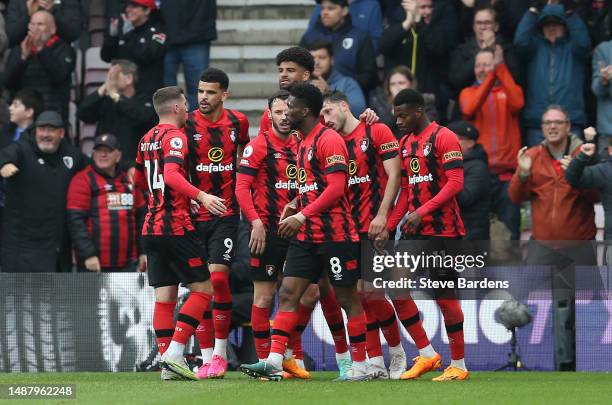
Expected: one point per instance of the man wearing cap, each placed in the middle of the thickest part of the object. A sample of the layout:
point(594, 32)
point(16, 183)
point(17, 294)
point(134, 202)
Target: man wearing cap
point(555, 48)
point(353, 51)
point(138, 37)
point(105, 213)
point(38, 169)
point(474, 199)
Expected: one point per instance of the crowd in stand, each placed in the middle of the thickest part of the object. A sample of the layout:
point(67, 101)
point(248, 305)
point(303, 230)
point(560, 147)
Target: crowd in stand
point(521, 82)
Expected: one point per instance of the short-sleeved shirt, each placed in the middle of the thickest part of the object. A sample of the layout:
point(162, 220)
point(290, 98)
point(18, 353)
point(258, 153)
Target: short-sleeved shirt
point(168, 210)
point(320, 153)
point(272, 161)
point(212, 159)
point(368, 147)
point(425, 158)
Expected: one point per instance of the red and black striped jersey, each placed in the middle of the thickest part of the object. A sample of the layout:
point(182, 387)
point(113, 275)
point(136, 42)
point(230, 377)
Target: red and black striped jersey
point(322, 152)
point(108, 208)
point(368, 147)
point(212, 155)
point(425, 158)
point(272, 161)
point(168, 210)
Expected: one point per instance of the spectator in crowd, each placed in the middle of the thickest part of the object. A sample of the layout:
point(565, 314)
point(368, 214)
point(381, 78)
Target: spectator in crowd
point(365, 14)
point(139, 38)
point(485, 29)
point(509, 13)
point(190, 26)
point(24, 109)
point(598, 17)
point(66, 14)
point(381, 100)
point(493, 104)
point(561, 217)
point(555, 49)
point(38, 168)
point(602, 88)
point(422, 42)
point(328, 79)
point(353, 52)
point(42, 61)
point(4, 46)
point(117, 109)
point(105, 213)
point(583, 173)
point(474, 199)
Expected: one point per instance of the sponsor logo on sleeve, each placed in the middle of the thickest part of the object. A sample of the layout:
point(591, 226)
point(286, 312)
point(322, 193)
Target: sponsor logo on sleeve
point(176, 143)
point(389, 146)
point(452, 155)
point(333, 159)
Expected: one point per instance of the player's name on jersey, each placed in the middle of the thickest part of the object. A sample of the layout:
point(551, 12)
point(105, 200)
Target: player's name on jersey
point(287, 185)
point(359, 179)
point(209, 168)
point(420, 179)
point(149, 146)
point(304, 188)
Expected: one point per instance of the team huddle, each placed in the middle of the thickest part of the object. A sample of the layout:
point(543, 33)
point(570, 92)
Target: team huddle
point(314, 184)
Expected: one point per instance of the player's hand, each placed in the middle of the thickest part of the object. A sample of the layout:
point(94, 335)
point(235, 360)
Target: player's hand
point(212, 203)
point(8, 170)
point(93, 264)
point(289, 209)
point(369, 116)
point(194, 207)
point(381, 241)
point(257, 243)
point(142, 264)
point(588, 149)
point(377, 225)
point(290, 226)
point(589, 134)
point(413, 221)
point(524, 161)
point(565, 161)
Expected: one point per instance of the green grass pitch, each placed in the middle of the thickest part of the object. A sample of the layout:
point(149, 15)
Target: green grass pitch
point(482, 388)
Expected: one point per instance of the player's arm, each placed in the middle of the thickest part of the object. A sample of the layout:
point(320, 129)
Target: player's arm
point(386, 147)
point(174, 149)
point(400, 208)
point(334, 155)
point(452, 164)
point(247, 171)
point(243, 137)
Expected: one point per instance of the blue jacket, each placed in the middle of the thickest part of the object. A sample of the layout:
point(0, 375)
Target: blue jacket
point(353, 52)
point(601, 58)
point(366, 15)
point(555, 72)
point(350, 88)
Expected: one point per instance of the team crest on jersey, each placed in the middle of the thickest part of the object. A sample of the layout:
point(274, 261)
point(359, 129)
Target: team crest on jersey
point(197, 137)
point(426, 148)
point(108, 187)
point(365, 142)
point(68, 161)
point(248, 151)
point(176, 143)
point(309, 156)
point(270, 269)
point(232, 133)
point(347, 43)
point(404, 153)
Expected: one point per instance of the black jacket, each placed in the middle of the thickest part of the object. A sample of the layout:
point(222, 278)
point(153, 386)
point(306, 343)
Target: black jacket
point(462, 61)
point(581, 173)
point(146, 47)
point(47, 71)
point(128, 119)
point(188, 21)
point(67, 19)
point(35, 233)
point(474, 200)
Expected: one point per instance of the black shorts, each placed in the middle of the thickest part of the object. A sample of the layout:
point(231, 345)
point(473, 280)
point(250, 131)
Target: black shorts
point(174, 259)
point(309, 260)
point(218, 237)
point(268, 265)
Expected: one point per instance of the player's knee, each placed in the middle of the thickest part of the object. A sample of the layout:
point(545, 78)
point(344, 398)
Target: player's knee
point(201, 286)
point(311, 296)
point(263, 300)
point(287, 298)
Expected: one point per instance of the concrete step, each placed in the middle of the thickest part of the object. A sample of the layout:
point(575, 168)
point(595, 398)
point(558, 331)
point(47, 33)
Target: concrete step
point(247, 58)
point(251, 107)
point(263, 9)
point(260, 32)
point(252, 85)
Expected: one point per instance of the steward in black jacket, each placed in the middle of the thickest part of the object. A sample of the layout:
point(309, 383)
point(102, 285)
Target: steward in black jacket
point(35, 233)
